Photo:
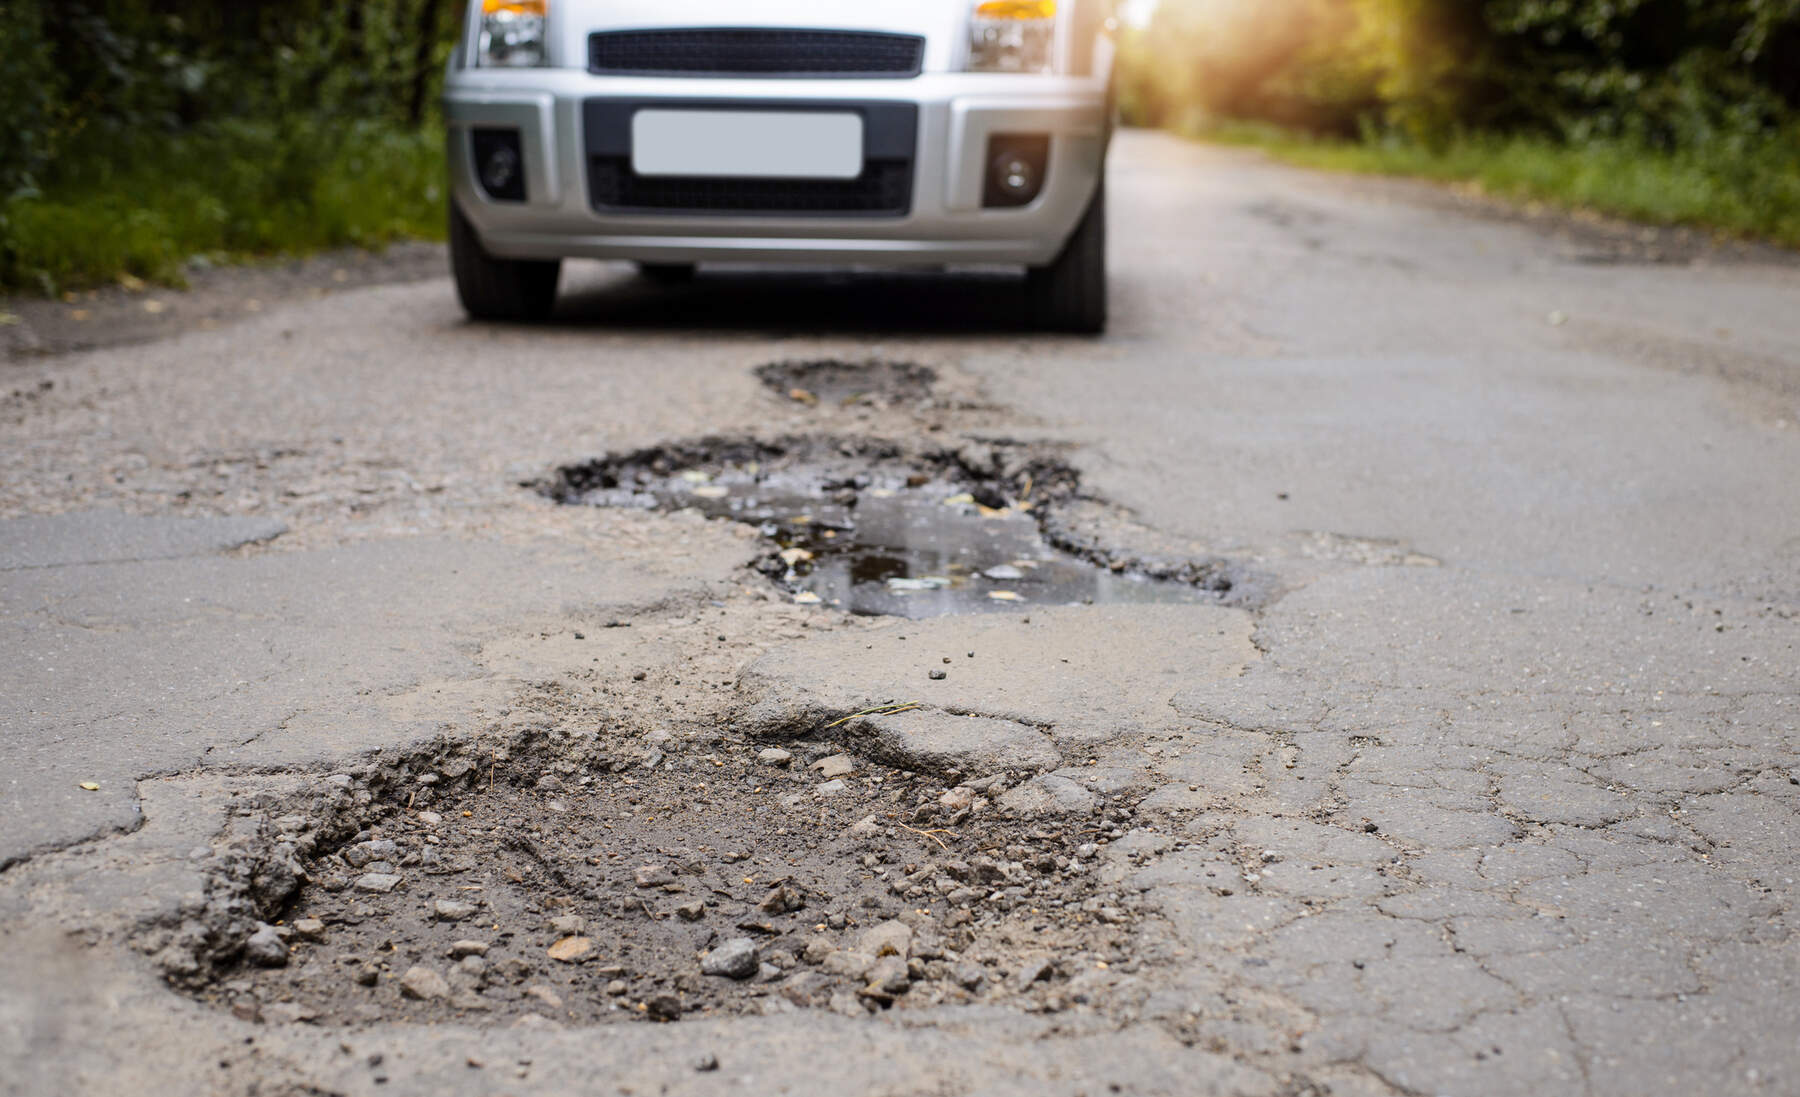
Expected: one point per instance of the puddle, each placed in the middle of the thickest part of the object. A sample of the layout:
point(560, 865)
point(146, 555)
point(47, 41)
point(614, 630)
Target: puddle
point(870, 531)
point(875, 383)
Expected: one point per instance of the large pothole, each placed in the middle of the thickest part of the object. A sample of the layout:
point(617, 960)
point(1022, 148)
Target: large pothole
point(874, 528)
point(586, 877)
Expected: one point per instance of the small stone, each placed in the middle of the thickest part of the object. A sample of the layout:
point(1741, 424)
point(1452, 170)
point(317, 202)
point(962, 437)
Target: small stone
point(569, 925)
point(691, 912)
point(735, 959)
point(969, 976)
point(957, 798)
point(309, 929)
point(460, 949)
point(289, 1013)
point(888, 979)
point(265, 948)
point(653, 876)
point(367, 975)
point(452, 910)
point(775, 756)
point(887, 939)
point(1032, 972)
point(851, 964)
point(1049, 795)
point(838, 765)
point(1005, 573)
point(707, 1062)
point(571, 950)
point(830, 788)
point(430, 818)
point(781, 900)
point(664, 1007)
point(544, 994)
point(866, 827)
point(378, 883)
point(938, 675)
point(423, 984)
point(618, 988)
point(365, 853)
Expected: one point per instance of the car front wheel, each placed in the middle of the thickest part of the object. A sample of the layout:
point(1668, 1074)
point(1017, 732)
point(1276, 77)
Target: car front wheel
point(1070, 294)
point(514, 290)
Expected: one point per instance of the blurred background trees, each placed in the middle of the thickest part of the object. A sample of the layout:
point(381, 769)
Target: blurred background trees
point(145, 135)
point(1666, 72)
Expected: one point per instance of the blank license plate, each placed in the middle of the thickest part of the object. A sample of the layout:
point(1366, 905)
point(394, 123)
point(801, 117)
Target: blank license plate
point(747, 144)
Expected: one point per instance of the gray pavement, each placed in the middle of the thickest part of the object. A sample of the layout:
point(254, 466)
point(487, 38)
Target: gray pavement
point(1493, 788)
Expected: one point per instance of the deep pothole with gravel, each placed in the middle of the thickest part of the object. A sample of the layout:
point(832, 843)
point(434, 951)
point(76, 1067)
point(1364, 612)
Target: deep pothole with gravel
point(879, 528)
point(599, 875)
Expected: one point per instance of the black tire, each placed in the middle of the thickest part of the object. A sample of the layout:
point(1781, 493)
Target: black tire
point(1070, 294)
point(667, 273)
point(511, 290)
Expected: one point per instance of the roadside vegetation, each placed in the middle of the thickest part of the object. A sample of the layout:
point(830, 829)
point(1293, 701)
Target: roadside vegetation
point(1673, 112)
point(150, 136)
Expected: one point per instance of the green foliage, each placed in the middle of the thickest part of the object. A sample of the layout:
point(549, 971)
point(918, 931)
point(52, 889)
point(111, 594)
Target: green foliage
point(144, 132)
point(226, 191)
point(31, 87)
point(1753, 193)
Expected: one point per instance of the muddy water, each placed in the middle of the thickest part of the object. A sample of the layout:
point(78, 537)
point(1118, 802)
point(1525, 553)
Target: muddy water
point(898, 546)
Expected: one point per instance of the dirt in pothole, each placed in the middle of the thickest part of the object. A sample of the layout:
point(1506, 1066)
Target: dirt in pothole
point(875, 383)
point(871, 528)
point(667, 877)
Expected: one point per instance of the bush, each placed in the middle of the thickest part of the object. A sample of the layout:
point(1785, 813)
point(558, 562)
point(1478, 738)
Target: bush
point(230, 190)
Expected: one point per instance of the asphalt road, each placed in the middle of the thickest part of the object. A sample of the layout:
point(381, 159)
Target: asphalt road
point(1489, 782)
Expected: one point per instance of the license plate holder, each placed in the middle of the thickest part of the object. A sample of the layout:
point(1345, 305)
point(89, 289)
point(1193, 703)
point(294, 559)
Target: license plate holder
point(747, 144)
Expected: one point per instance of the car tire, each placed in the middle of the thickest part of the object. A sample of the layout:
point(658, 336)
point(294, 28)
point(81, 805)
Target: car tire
point(1070, 294)
point(510, 290)
point(667, 273)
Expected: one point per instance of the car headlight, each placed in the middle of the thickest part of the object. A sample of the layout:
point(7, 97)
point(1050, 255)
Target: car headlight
point(512, 33)
point(1013, 36)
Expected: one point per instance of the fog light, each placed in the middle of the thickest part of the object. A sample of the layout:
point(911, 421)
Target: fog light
point(499, 165)
point(1016, 165)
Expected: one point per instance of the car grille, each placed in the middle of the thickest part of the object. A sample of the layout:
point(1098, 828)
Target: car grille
point(883, 189)
point(751, 52)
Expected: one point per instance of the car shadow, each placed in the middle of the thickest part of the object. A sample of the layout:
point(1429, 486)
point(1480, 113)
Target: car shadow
point(785, 301)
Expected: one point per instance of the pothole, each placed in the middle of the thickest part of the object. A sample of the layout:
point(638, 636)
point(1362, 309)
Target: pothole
point(876, 383)
point(593, 877)
point(875, 529)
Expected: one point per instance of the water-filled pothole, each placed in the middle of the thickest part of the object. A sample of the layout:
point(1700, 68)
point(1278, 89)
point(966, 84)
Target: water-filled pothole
point(872, 529)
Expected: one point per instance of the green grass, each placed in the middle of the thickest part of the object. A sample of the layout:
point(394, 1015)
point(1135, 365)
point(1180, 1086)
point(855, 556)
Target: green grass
point(232, 192)
point(1740, 188)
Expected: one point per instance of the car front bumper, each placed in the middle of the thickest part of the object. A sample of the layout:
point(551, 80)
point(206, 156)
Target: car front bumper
point(945, 222)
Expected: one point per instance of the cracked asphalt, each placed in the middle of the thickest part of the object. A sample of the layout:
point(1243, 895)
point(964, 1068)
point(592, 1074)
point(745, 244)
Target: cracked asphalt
point(1492, 786)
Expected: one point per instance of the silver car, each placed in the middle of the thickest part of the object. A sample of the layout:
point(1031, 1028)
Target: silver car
point(877, 133)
